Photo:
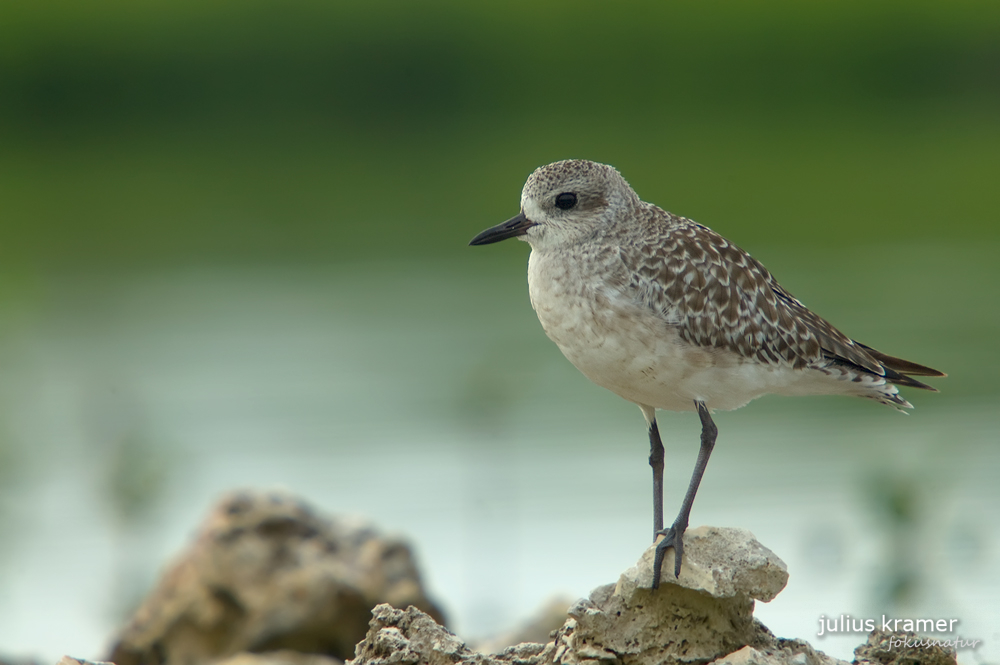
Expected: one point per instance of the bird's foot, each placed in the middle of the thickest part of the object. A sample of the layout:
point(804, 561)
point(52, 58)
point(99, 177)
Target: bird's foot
point(672, 537)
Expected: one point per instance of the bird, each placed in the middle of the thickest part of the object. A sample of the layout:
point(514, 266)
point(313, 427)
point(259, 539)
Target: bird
point(670, 315)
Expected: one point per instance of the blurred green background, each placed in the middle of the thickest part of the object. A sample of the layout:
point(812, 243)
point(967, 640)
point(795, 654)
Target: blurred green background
point(178, 177)
point(175, 132)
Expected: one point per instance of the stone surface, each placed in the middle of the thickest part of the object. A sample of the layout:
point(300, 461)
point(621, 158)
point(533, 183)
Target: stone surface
point(783, 652)
point(704, 617)
point(878, 650)
point(704, 614)
point(404, 637)
point(670, 625)
point(723, 562)
point(398, 637)
point(268, 582)
point(267, 573)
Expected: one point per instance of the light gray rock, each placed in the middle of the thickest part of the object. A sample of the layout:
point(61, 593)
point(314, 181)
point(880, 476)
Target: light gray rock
point(671, 625)
point(266, 573)
point(723, 562)
point(784, 652)
point(703, 615)
point(268, 576)
point(901, 648)
point(408, 637)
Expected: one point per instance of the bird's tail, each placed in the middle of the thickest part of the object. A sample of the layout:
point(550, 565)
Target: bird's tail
point(898, 371)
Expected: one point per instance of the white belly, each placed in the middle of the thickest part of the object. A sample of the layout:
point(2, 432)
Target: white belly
point(636, 354)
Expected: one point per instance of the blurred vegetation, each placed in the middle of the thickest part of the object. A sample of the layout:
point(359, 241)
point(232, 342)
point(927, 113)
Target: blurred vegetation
point(181, 132)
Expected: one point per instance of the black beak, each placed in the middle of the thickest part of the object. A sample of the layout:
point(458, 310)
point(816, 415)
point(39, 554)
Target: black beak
point(513, 227)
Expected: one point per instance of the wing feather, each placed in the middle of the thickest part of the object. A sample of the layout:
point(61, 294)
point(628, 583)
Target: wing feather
point(719, 296)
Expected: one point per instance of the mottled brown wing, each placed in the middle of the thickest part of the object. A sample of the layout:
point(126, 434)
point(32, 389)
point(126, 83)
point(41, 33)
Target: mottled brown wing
point(719, 296)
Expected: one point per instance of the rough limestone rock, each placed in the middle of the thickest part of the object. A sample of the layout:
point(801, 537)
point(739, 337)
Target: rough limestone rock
point(408, 637)
point(267, 573)
point(723, 562)
point(784, 652)
point(704, 614)
point(905, 649)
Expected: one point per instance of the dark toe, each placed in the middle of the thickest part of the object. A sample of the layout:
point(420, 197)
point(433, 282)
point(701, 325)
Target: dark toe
point(671, 538)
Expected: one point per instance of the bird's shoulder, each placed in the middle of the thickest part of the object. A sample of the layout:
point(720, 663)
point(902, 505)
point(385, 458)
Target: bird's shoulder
point(718, 295)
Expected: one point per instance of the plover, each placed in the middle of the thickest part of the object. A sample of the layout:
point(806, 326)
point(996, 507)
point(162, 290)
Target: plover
point(668, 314)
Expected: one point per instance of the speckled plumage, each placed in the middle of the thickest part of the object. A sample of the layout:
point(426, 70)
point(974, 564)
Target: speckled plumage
point(666, 281)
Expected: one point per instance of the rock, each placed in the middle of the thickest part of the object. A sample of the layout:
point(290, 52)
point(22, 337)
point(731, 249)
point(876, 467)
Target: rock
point(723, 562)
point(785, 652)
point(403, 637)
point(671, 625)
point(267, 573)
point(398, 637)
point(704, 617)
point(268, 582)
point(539, 628)
point(899, 648)
point(704, 614)
point(408, 636)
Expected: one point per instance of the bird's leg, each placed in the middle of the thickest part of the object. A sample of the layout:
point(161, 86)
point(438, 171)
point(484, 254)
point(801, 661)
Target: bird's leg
point(656, 462)
point(674, 536)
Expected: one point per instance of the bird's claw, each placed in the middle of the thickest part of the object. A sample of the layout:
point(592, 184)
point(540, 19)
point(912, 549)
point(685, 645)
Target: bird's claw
point(672, 537)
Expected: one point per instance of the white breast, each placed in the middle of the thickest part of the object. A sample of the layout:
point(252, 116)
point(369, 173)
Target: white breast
point(634, 353)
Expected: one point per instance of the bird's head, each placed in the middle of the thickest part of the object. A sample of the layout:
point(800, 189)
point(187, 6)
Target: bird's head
point(565, 203)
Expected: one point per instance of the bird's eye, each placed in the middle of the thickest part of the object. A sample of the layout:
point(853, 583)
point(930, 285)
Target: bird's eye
point(566, 200)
